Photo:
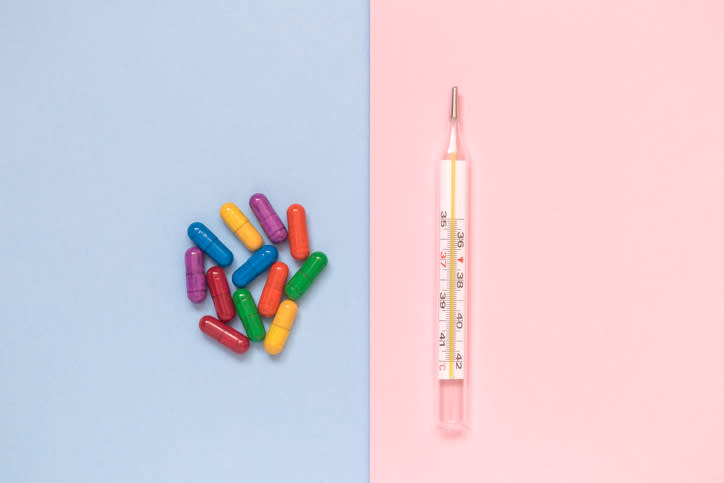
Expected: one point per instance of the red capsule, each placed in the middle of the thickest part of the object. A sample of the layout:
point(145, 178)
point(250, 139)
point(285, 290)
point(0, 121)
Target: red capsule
point(298, 236)
point(220, 293)
point(228, 337)
point(273, 289)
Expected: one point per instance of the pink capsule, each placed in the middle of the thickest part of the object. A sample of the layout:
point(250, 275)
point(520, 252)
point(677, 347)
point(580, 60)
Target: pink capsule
point(268, 218)
point(195, 278)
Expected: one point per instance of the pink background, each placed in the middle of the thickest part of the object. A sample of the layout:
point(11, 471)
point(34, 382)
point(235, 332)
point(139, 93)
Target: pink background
point(596, 135)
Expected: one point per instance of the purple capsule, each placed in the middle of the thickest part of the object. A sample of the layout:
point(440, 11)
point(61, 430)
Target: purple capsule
point(195, 276)
point(268, 218)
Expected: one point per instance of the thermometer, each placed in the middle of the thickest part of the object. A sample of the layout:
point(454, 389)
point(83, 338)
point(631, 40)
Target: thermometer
point(452, 315)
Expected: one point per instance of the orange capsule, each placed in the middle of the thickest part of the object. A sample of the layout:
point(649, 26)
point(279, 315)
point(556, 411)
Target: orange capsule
point(271, 295)
point(298, 236)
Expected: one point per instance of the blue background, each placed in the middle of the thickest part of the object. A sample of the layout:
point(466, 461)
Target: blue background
point(120, 124)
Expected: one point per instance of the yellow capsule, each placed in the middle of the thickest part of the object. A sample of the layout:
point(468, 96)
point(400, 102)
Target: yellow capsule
point(278, 332)
point(241, 226)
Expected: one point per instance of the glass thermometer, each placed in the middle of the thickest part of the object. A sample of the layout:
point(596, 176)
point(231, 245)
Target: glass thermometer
point(452, 314)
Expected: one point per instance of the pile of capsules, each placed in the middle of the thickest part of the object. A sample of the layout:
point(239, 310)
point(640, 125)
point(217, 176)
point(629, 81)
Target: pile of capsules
point(263, 258)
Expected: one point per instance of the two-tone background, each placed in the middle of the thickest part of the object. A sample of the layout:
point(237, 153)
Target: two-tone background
point(594, 132)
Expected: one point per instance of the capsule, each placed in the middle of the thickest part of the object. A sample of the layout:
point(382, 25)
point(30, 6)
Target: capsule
point(273, 290)
point(209, 244)
point(228, 337)
point(241, 226)
point(302, 280)
point(246, 308)
point(298, 236)
point(268, 218)
point(255, 265)
point(195, 279)
point(280, 326)
point(220, 293)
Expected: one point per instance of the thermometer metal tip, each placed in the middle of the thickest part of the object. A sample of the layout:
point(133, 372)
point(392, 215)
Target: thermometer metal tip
point(454, 105)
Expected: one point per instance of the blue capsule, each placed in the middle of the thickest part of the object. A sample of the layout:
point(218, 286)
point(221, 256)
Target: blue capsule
point(255, 265)
point(209, 244)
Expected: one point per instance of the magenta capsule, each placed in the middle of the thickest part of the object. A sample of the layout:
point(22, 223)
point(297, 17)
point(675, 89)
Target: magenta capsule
point(195, 277)
point(268, 218)
point(228, 337)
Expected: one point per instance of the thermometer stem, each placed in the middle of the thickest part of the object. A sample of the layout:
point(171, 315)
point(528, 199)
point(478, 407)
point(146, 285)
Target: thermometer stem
point(452, 297)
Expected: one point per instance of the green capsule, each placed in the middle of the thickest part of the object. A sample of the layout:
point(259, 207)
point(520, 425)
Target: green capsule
point(302, 280)
point(249, 315)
